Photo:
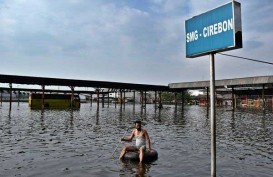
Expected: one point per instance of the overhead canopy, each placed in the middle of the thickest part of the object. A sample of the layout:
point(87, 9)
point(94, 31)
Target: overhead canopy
point(259, 81)
point(249, 91)
point(30, 80)
point(3, 89)
point(266, 81)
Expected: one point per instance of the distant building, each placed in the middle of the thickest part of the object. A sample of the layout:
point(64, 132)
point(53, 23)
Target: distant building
point(128, 97)
point(6, 96)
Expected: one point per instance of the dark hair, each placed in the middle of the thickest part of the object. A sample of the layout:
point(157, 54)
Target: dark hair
point(138, 122)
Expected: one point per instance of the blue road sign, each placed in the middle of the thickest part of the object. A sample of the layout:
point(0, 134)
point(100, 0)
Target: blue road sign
point(214, 31)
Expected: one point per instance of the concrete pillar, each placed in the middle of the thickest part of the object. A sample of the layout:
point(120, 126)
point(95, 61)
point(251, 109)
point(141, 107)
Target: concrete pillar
point(246, 100)
point(98, 99)
point(207, 97)
point(103, 100)
point(10, 95)
point(155, 99)
point(108, 99)
point(115, 99)
point(182, 100)
point(120, 98)
point(233, 99)
point(124, 97)
point(160, 101)
point(175, 99)
point(134, 101)
point(18, 98)
point(145, 99)
point(72, 97)
point(141, 99)
point(43, 97)
point(263, 106)
point(91, 100)
point(1, 97)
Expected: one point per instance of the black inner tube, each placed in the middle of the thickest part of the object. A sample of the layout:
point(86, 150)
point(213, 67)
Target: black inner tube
point(149, 156)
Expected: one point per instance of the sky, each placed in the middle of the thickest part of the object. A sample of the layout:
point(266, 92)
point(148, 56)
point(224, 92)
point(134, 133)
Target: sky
point(130, 41)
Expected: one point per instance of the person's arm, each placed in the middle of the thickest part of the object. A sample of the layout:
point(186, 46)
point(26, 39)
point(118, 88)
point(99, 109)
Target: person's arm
point(130, 138)
point(148, 140)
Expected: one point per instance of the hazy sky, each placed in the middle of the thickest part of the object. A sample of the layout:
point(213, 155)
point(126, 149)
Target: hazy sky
point(133, 41)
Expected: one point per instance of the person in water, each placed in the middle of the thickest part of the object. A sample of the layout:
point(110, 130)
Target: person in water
point(141, 138)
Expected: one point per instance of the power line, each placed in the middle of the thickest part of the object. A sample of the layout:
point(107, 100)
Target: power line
point(244, 58)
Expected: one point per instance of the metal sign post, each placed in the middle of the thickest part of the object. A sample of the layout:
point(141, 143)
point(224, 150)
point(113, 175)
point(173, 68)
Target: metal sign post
point(217, 30)
point(212, 116)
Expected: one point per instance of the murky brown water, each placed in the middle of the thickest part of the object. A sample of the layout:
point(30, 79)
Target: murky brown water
point(80, 143)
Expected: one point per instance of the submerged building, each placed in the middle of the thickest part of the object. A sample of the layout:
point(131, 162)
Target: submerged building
point(250, 92)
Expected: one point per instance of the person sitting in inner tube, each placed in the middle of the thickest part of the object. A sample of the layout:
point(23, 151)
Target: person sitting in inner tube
point(141, 138)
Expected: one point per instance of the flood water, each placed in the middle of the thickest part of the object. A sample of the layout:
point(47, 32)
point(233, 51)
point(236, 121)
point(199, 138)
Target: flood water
point(52, 143)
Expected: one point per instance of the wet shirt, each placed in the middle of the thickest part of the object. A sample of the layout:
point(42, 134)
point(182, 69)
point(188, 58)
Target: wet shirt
point(140, 139)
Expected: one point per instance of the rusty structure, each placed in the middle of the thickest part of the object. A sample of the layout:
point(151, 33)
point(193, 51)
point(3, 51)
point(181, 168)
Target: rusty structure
point(101, 88)
point(258, 89)
point(255, 87)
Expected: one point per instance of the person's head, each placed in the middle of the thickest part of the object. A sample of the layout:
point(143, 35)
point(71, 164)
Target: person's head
point(138, 125)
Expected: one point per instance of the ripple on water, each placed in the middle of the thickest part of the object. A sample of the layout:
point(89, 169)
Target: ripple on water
point(81, 143)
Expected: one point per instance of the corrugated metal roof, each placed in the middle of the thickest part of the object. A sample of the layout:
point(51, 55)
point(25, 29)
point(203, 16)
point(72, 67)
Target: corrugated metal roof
point(30, 80)
point(237, 82)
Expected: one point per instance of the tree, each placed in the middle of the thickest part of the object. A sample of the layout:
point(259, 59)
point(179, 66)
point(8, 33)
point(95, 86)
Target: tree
point(187, 97)
point(170, 96)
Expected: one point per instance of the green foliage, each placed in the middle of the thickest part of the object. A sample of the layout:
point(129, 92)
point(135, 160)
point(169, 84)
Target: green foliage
point(169, 96)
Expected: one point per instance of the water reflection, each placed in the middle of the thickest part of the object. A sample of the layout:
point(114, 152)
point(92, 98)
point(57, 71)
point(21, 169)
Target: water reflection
point(97, 117)
point(44, 143)
point(158, 118)
point(71, 118)
point(232, 122)
point(207, 115)
point(120, 115)
point(142, 169)
point(42, 122)
point(134, 169)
